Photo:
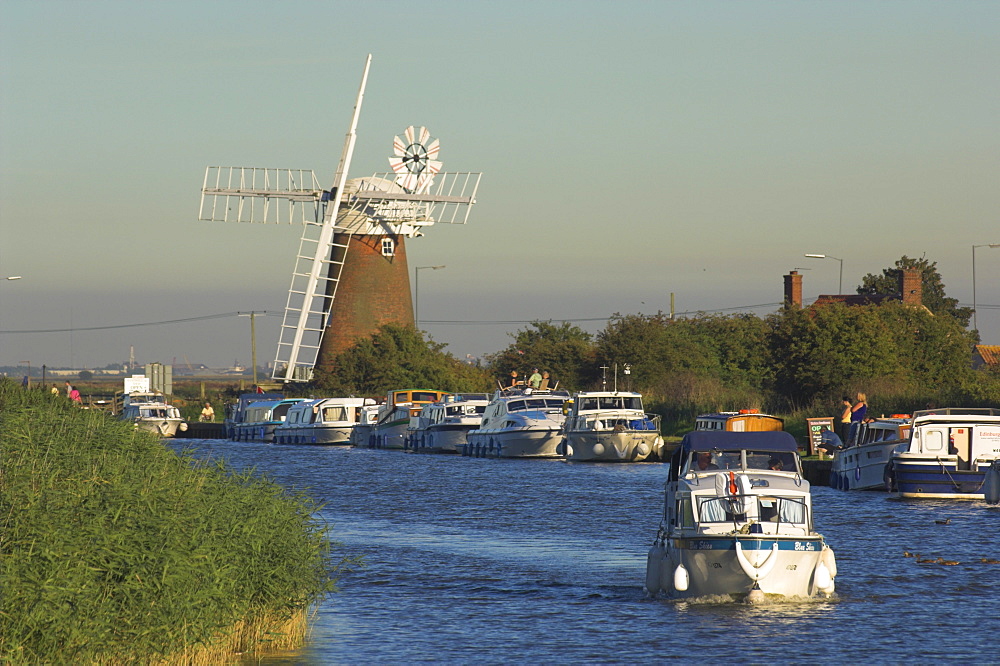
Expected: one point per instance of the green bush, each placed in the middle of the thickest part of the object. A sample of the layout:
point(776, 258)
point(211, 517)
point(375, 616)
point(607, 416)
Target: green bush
point(114, 547)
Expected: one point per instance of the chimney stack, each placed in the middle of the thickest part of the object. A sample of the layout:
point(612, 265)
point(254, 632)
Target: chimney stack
point(793, 289)
point(911, 286)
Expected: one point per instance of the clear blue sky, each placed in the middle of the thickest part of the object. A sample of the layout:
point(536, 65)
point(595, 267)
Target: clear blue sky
point(630, 150)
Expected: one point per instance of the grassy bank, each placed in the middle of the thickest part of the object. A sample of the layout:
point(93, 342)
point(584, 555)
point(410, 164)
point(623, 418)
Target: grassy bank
point(114, 549)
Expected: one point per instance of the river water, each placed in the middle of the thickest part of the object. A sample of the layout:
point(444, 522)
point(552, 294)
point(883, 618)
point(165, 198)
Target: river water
point(470, 560)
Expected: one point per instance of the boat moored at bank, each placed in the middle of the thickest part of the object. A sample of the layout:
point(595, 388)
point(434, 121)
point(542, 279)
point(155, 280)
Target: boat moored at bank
point(149, 410)
point(860, 463)
point(737, 522)
point(321, 421)
point(948, 455)
point(261, 418)
point(520, 423)
point(744, 420)
point(390, 429)
point(441, 427)
point(611, 426)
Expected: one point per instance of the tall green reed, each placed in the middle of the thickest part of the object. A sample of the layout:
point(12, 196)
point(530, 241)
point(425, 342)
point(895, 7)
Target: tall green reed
point(113, 547)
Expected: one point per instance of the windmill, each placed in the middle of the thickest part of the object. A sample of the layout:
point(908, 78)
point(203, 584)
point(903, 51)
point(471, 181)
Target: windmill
point(350, 272)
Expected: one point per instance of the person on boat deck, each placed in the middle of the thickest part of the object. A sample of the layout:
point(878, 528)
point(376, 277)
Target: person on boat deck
point(705, 461)
point(845, 417)
point(513, 378)
point(775, 464)
point(545, 380)
point(207, 413)
point(535, 380)
point(858, 412)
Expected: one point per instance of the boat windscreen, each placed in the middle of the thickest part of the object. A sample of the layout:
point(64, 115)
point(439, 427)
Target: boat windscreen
point(425, 396)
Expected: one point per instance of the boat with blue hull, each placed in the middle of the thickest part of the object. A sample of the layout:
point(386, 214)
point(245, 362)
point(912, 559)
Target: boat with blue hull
point(261, 419)
point(860, 463)
point(948, 455)
point(737, 522)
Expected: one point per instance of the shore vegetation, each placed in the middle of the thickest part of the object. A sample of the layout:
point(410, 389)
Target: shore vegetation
point(116, 549)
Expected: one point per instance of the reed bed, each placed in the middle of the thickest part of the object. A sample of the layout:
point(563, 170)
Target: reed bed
point(114, 549)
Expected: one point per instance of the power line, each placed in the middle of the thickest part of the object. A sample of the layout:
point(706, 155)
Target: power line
point(222, 315)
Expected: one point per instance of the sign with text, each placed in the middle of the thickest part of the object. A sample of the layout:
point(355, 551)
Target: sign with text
point(816, 428)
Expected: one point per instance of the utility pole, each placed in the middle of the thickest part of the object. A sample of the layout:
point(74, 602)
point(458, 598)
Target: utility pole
point(253, 340)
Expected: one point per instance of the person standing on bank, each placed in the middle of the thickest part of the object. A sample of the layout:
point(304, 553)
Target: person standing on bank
point(207, 413)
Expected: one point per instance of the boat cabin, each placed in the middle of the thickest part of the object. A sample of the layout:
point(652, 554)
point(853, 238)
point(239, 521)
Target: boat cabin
point(269, 411)
point(509, 401)
point(970, 435)
point(724, 481)
point(745, 420)
point(607, 411)
point(327, 410)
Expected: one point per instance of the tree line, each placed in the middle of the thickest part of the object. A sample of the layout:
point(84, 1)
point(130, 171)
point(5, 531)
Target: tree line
point(790, 361)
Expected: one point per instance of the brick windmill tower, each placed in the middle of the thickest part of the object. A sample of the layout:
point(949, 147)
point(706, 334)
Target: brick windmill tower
point(350, 274)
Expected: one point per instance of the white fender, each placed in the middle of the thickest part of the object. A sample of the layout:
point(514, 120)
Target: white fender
point(681, 578)
point(184, 426)
point(653, 559)
point(598, 449)
point(827, 557)
point(643, 449)
point(824, 581)
point(757, 571)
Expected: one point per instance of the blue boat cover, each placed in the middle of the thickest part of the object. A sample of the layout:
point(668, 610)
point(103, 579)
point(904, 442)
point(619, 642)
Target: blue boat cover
point(708, 440)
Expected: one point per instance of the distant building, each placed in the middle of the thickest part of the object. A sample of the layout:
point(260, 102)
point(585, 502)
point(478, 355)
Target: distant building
point(986, 356)
point(911, 292)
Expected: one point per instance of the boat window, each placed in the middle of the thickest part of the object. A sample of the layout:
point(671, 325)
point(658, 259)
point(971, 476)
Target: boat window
point(536, 404)
point(771, 460)
point(553, 404)
point(769, 509)
point(608, 402)
point(281, 410)
point(588, 403)
point(634, 402)
point(425, 396)
point(334, 414)
point(516, 406)
point(933, 440)
point(685, 516)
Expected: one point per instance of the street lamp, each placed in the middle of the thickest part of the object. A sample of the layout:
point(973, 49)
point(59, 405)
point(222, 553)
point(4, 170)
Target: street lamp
point(416, 291)
point(975, 320)
point(840, 285)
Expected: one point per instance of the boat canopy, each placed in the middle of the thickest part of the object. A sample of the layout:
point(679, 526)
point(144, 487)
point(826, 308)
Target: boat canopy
point(710, 440)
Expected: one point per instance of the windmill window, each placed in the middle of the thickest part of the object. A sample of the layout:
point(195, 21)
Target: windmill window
point(388, 247)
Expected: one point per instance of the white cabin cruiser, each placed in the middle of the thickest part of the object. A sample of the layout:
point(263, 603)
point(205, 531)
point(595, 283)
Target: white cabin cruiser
point(361, 435)
point(261, 418)
point(948, 455)
point(737, 522)
point(322, 421)
point(520, 423)
point(149, 411)
point(441, 426)
point(860, 464)
point(611, 426)
point(390, 429)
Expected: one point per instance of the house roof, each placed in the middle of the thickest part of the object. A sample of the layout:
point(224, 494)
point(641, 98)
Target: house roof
point(989, 353)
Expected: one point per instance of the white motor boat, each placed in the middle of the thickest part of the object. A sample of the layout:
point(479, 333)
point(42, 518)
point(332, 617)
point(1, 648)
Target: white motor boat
point(362, 433)
point(322, 421)
point(949, 454)
point(611, 427)
point(150, 411)
point(520, 423)
point(737, 522)
point(390, 429)
point(860, 464)
point(441, 426)
point(261, 418)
